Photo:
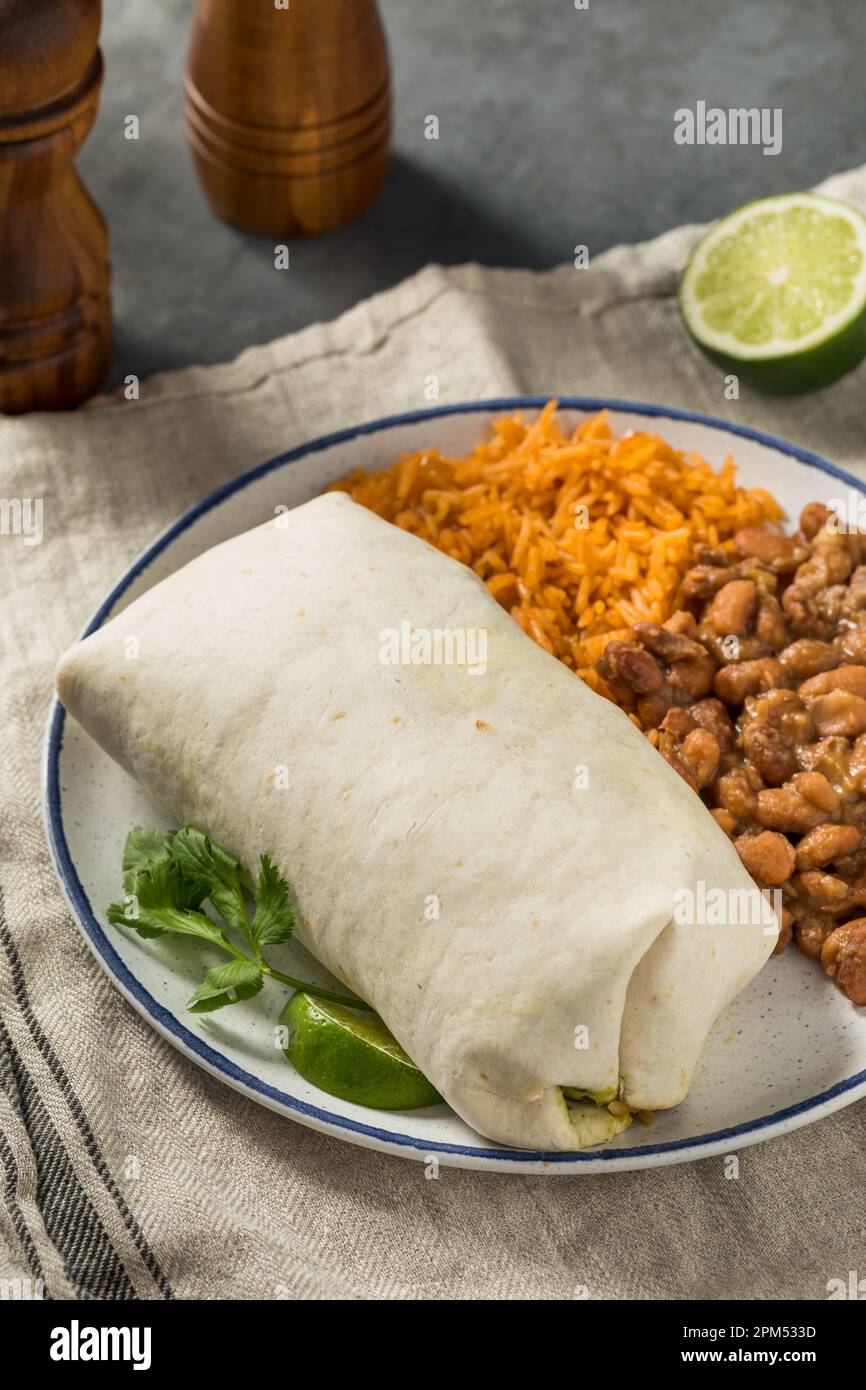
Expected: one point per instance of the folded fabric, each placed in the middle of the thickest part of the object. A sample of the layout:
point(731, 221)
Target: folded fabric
point(486, 851)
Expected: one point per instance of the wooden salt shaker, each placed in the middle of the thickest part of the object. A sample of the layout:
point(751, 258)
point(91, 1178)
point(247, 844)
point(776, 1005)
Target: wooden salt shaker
point(289, 111)
point(55, 311)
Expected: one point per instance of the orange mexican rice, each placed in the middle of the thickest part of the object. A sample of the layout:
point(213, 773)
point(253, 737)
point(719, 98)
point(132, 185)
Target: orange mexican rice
point(578, 534)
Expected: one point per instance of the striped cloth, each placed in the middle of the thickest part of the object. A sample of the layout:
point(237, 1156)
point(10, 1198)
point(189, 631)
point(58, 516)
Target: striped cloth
point(126, 1171)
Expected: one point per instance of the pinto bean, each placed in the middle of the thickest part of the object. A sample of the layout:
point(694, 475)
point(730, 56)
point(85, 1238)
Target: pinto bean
point(673, 758)
point(702, 581)
point(781, 808)
point(831, 604)
point(652, 708)
point(825, 844)
point(843, 956)
point(732, 648)
point(839, 712)
point(835, 758)
point(807, 657)
point(733, 683)
point(633, 666)
point(692, 678)
point(733, 608)
point(769, 623)
point(819, 889)
point(854, 602)
point(690, 668)
point(813, 518)
point(681, 622)
point(800, 607)
point(735, 794)
point(815, 787)
point(768, 751)
point(756, 781)
point(770, 548)
point(669, 646)
point(678, 722)
point(785, 711)
point(768, 857)
point(853, 644)
point(725, 819)
point(701, 754)
point(824, 568)
point(711, 714)
point(834, 551)
point(852, 678)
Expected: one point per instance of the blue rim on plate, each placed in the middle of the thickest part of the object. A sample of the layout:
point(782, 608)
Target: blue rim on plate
point(198, 1049)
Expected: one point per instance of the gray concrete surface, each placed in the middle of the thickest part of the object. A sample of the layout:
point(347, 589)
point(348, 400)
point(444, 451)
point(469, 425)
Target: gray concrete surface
point(556, 128)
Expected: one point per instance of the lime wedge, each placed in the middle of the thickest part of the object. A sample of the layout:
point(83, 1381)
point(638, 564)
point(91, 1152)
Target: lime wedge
point(776, 292)
point(352, 1056)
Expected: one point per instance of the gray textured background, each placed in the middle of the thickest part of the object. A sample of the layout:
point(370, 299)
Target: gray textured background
point(556, 128)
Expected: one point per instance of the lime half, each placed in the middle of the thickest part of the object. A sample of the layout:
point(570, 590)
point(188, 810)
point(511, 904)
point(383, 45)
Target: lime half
point(776, 292)
point(352, 1056)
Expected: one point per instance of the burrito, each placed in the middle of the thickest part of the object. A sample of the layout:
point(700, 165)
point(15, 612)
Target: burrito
point(487, 852)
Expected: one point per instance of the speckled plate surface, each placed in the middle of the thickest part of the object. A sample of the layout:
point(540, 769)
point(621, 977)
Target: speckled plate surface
point(788, 1051)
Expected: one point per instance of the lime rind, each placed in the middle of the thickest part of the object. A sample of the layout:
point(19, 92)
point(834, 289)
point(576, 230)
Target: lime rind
point(352, 1056)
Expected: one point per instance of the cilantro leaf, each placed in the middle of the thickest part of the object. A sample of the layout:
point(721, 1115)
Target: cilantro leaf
point(156, 921)
point(166, 878)
point(143, 844)
point(128, 914)
point(144, 847)
point(154, 904)
point(158, 884)
point(226, 984)
point(274, 919)
point(213, 873)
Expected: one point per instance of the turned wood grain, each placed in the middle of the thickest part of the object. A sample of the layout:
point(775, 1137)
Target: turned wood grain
point(55, 312)
point(289, 111)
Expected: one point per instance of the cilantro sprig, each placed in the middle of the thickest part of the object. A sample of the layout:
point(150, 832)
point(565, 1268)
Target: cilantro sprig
point(168, 877)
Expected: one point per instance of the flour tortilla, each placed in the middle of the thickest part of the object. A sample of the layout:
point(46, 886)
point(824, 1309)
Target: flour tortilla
point(495, 859)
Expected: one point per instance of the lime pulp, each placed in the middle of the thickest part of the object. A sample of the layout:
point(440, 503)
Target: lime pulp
point(776, 292)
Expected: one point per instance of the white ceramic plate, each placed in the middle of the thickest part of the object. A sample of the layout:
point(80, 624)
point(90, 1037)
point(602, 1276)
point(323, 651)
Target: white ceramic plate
point(789, 1050)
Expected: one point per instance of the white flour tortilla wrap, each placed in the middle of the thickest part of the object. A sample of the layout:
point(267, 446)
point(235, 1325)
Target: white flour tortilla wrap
point(553, 841)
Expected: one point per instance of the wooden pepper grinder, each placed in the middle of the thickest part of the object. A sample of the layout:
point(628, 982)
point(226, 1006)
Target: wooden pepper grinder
point(55, 311)
point(289, 111)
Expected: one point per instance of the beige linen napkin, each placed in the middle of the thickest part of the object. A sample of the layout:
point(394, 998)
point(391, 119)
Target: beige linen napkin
point(130, 1172)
